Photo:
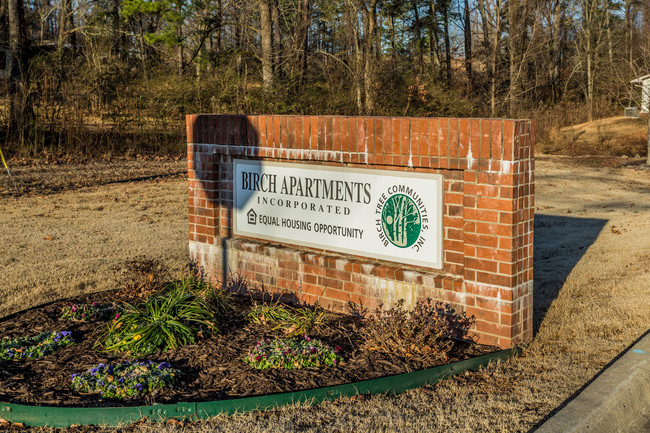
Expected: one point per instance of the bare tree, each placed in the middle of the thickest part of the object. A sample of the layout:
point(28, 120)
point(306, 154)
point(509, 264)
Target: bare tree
point(492, 23)
point(467, 36)
point(267, 43)
point(591, 34)
point(369, 67)
point(20, 107)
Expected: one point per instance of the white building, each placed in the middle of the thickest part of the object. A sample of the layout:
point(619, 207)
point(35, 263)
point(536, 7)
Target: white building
point(644, 82)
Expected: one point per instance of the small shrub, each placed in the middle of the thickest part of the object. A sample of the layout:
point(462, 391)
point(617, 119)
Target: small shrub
point(425, 331)
point(292, 322)
point(293, 353)
point(90, 312)
point(34, 347)
point(166, 321)
point(125, 380)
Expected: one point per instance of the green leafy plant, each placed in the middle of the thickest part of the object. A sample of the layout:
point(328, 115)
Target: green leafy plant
point(90, 312)
point(218, 299)
point(125, 380)
point(216, 296)
point(34, 347)
point(306, 320)
point(427, 330)
point(188, 284)
point(268, 313)
point(166, 321)
point(293, 353)
point(292, 322)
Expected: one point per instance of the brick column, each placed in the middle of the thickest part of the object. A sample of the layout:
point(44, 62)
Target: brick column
point(498, 230)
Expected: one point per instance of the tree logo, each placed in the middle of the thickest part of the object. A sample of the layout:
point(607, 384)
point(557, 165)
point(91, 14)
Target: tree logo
point(401, 221)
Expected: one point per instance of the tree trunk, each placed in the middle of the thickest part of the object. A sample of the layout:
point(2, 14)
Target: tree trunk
point(491, 39)
point(393, 45)
point(219, 26)
point(179, 40)
point(369, 70)
point(648, 155)
point(467, 30)
point(590, 84)
point(629, 31)
point(436, 61)
point(377, 34)
point(513, 27)
point(63, 22)
point(555, 52)
point(418, 36)
point(277, 38)
point(300, 38)
point(610, 48)
point(267, 43)
point(19, 106)
point(445, 17)
point(357, 58)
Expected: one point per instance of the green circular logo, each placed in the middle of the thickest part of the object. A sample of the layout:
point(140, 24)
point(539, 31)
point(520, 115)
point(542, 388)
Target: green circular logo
point(400, 219)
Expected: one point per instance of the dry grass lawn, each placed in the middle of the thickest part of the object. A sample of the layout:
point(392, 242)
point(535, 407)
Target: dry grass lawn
point(617, 135)
point(592, 280)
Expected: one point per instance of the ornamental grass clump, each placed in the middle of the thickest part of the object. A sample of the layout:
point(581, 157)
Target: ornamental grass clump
point(427, 330)
point(290, 321)
point(90, 312)
point(34, 347)
point(217, 298)
point(293, 353)
point(167, 321)
point(125, 380)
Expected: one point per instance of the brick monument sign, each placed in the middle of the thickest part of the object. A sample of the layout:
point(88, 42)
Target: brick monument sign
point(370, 210)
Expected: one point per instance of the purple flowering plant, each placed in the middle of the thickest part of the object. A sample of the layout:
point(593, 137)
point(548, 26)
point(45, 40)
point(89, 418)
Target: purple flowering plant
point(293, 353)
point(34, 347)
point(125, 380)
point(91, 312)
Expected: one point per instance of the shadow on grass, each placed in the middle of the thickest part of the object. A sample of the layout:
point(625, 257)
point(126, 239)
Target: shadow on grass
point(560, 243)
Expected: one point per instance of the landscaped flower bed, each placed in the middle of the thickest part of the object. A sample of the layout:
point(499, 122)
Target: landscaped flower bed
point(125, 379)
point(34, 347)
point(203, 344)
point(90, 312)
point(291, 353)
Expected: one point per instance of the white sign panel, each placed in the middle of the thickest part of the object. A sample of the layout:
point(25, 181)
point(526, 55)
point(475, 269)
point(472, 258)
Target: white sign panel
point(382, 214)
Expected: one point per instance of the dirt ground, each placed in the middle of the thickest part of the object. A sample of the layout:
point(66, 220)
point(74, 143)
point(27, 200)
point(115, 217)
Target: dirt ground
point(592, 297)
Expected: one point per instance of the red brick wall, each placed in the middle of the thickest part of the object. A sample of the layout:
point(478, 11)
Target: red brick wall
point(488, 171)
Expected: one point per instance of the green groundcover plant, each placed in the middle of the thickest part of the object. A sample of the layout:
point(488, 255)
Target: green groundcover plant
point(34, 347)
point(293, 353)
point(90, 312)
point(125, 380)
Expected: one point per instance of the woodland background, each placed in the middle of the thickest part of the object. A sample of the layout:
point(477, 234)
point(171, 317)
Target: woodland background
point(110, 78)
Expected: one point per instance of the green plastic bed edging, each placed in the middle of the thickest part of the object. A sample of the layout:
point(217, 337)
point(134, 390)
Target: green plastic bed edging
point(116, 416)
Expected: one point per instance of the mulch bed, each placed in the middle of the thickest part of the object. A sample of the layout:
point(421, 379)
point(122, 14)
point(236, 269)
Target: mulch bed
point(211, 370)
